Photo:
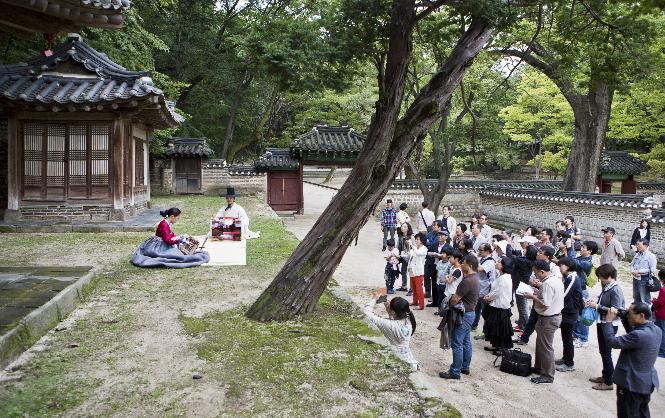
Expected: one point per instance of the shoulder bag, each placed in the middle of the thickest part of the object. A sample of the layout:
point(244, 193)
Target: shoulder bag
point(515, 362)
point(653, 285)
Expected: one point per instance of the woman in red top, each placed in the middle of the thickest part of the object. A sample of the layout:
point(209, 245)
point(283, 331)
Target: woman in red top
point(162, 248)
point(658, 308)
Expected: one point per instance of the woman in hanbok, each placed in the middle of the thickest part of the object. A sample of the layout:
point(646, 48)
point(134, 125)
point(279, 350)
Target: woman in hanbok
point(162, 250)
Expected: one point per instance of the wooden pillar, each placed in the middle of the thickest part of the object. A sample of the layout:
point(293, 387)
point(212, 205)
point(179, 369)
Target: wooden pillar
point(132, 164)
point(14, 164)
point(302, 194)
point(117, 161)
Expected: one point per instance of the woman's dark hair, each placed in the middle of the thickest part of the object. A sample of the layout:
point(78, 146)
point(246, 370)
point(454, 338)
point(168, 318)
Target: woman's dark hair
point(647, 221)
point(462, 227)
point(606, 271)
point(592, 246)
point(421, 237)
point(457, 254)
point(410, 230)
point(507, 264)
point(661, 275)
point(168, 212)
point(401, 308)
point(497, 237)
point(548, 232)
point(568, 262)
point(531, 253)
point(468, 244)
point(402, 206)
point(534, 231)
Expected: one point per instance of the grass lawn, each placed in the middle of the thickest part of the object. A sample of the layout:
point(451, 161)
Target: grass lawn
point(139, 336)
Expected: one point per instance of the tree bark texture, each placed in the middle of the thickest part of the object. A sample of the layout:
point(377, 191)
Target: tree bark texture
point(592, 115)
point(233, 113)
point(298, 286)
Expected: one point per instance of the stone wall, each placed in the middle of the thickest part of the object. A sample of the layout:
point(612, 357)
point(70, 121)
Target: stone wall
point(464, 203)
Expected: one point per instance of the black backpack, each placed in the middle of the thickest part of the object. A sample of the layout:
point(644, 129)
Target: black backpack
point(515, 362)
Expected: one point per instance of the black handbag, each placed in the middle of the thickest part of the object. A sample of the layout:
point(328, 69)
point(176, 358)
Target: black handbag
point(515, 362)
point(653, 284)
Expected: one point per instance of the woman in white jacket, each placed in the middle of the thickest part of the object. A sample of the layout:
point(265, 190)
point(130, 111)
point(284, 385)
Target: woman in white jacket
point(417, 270)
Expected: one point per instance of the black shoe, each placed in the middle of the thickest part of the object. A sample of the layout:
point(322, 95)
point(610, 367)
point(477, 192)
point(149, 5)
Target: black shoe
point(402, 289)
point(541, 379)
point(448, 375)
point(492, 349)
point(431, 305)
point(535, 371)
point(466, 371)
point(559, 362)
point(428, 295)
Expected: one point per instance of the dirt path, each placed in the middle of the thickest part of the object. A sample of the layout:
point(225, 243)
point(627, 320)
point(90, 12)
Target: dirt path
point(486, 392)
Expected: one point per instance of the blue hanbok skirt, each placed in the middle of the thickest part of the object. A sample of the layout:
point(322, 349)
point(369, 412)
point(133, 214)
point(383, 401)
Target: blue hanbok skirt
point(154, 252)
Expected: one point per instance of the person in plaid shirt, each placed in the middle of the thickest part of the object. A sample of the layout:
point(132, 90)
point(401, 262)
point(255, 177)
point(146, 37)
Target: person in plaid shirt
point(388, 222)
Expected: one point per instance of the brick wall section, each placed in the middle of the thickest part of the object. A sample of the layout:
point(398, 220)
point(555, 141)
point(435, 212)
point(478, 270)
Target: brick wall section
point(464, 203)
point(518, 213)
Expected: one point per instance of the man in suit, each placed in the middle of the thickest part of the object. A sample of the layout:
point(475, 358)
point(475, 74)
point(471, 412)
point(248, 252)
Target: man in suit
point(634, 374)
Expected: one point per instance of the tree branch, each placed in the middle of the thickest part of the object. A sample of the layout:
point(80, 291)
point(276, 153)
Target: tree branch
point(597, 17)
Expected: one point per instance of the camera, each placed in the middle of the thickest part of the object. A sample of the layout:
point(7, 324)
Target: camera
point(623, 313)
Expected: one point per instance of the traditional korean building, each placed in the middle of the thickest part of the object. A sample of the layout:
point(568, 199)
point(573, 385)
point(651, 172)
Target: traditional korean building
point(76, 128)
point(619, 166)
point(186, 158)
point(335, 146)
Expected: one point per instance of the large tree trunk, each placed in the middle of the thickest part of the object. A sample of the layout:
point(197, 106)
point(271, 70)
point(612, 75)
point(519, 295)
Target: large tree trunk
point(304, 277)
point(233, 113)
point(592, 114)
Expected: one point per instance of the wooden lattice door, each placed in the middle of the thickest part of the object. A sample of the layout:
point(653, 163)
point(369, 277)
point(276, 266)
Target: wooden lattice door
point(188, 175)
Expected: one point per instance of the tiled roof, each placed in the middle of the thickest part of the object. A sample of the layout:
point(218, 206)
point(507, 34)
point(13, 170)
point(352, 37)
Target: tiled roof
point(641, 201)
point(658, 215)
point(323, 138)
point(46, 15)
point(233, 169)
point(621, 162)
point(188, 147)
point(277, 159)
point(77, 77)
point(480, 184)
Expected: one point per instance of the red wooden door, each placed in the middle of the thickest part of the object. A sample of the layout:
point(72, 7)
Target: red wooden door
point(284, 191)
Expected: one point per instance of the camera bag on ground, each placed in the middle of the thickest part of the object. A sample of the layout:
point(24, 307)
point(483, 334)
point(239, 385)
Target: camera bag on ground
point(515, 362)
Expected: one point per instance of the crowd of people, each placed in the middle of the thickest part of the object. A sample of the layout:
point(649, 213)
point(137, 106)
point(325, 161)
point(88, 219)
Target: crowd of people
point(469, 271)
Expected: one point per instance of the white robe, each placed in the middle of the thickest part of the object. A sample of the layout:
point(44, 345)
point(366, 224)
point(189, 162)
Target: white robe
point(237, 211)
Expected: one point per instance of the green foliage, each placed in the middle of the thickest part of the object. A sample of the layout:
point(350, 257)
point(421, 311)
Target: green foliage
point(656, 162)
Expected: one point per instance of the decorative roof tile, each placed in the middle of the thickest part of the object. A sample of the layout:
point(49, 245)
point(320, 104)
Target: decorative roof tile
point(641, 201)
point(77, 77)
point(621, 162)
point(658, 215)
point(277, 159)
point(188, 147)
point(324, 138)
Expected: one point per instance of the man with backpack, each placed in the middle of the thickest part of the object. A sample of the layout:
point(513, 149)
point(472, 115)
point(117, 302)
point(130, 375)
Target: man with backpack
point(587, 279)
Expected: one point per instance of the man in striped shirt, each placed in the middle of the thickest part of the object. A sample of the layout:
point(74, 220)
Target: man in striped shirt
point(388, 222)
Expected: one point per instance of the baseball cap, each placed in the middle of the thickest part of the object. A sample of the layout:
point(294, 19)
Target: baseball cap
point(608, 229)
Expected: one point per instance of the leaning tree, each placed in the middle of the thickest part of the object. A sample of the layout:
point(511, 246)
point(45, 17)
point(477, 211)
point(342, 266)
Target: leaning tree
point(390, 139)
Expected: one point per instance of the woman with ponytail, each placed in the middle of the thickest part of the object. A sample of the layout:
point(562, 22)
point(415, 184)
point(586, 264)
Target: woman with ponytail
point(162, 249)
point(398, 329)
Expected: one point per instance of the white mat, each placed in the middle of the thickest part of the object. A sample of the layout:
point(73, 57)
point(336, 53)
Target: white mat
point(225, 253)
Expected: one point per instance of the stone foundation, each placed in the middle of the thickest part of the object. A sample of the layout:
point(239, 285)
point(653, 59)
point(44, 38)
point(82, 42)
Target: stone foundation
point(82, 212)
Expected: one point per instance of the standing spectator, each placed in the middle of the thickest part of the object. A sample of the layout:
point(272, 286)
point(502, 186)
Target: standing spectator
point(642, 267)
point(497, 328)
point(391, 271)
point(443, 267)
point(425, 218)
point(546, 237)
point(433, 234)
point(584, 266)
point(417, 273)
point(635, 375)
point(433, 252)
point(448, 221)
point(478, 237)
point(402, 216)
point(612, 249)
point(388, 222)
point(549, 303)
point(460, 234)
point(658, 308)
point(572, 229)
point(404, 247)
point(466, 246)
point(642, 231)
point(572, 305)
point(566, 245)
point(485, 230)
point(486, 275)
point(467, 293)
point(522, 269)
point(610, 297)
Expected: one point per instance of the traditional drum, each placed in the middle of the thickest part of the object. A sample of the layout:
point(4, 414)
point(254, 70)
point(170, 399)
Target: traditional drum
point(190, 246)
point(229, 229)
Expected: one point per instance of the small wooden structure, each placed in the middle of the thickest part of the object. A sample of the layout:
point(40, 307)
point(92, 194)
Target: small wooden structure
point(334, 146)
point(77, 132)
point(187, 155)
point(619, 166)
point(23, 17)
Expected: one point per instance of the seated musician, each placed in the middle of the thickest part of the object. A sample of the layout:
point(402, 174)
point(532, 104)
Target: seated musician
point(162, 249)
point(235, 211)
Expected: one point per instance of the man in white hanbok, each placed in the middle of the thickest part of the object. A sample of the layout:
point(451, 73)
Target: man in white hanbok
point(234, 210)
